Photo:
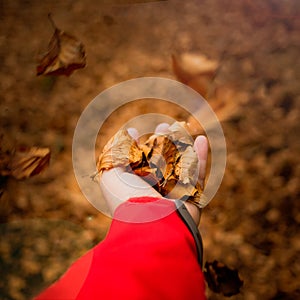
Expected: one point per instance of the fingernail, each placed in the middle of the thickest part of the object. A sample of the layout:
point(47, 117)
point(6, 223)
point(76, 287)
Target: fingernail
point(133, 133)
point(162, 128)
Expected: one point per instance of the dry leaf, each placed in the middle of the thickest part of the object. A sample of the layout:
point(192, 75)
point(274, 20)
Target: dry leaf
point(186, 166)
point(222, 279)
point(65, 54)
point(195, 70)
point(27, 162)
point(161, 156)
point(174, 189)
point(179, 134)
point(188, 65)
point(120, 151)
point(24, 162)
point(168, 160)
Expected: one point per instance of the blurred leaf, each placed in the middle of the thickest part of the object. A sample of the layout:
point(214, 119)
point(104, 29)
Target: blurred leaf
point(195, 70)
point(222, 279)
point(24, 162)
point(65, 54)
point(27, 162)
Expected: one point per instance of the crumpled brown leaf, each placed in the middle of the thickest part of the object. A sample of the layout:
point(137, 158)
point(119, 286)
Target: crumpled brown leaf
point(24, 162)
point(120, 151)
point(65, 54)
point(168, 162)
point(221, 279)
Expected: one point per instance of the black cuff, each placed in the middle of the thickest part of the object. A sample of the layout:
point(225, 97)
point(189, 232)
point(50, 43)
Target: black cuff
point(190, 223)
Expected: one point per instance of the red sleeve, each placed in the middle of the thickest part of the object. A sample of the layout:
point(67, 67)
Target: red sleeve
point(149, 260)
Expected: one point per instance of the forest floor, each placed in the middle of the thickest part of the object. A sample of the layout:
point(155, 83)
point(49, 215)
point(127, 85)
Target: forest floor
point(251, 225)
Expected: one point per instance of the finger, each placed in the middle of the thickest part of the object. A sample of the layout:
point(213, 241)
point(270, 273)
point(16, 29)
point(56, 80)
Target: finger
point(133, 133)
point(201, 148)
point(162, 128)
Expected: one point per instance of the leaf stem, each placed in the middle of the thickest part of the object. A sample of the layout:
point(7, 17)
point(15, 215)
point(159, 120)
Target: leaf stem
point(51, 21)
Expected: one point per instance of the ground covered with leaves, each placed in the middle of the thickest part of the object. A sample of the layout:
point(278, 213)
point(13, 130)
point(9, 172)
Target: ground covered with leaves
point(252, 224)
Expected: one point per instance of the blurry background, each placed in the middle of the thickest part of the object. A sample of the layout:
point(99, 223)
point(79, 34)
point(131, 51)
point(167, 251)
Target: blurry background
point(253, 222)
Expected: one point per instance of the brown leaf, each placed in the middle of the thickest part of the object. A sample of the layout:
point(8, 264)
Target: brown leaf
point(65, 54)
point(222, 279)
point(186, 166)
point(179, 134)
point(27, 162)
point(120, 151)
point(162, 155)
point(195, 70)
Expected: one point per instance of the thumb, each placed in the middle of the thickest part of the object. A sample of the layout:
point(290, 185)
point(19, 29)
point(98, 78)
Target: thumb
point(201, 148)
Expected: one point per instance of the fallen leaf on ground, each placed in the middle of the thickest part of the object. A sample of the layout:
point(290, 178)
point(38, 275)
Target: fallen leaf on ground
point(65, 54)
point(222, 279)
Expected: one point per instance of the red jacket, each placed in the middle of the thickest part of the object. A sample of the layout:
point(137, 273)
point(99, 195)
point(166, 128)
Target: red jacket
point(137, 261)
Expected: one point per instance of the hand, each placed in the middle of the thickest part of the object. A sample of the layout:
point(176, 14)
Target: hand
point(118, 186)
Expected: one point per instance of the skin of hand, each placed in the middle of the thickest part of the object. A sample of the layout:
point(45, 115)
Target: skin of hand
point(118, 186)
